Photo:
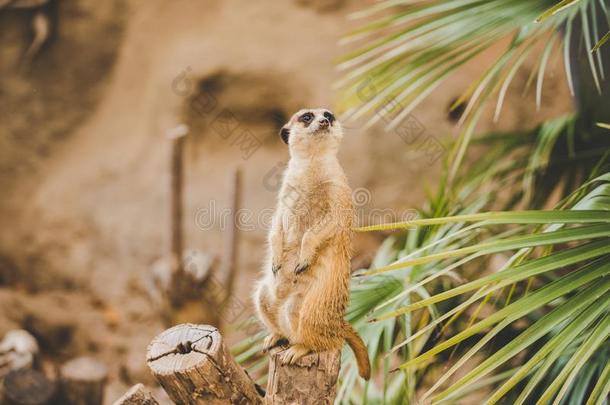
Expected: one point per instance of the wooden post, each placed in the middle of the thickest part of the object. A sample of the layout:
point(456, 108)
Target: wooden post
point(26, 387)
point(137, 395)
point(312, 380)
point(177, 137)
point(194, 366)
point(82, 382)
point(229, 261)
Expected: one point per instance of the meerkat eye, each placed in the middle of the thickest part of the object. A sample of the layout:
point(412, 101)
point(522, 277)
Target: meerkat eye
point(306, 118)
point(329, 116)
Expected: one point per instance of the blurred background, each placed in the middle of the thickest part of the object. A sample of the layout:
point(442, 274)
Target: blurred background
point(94, 99)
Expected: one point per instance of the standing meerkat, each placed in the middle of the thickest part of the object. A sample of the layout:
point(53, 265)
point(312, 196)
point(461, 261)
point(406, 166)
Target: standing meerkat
point(304, 291)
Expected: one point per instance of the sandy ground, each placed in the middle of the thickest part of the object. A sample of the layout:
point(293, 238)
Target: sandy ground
point(84, 157)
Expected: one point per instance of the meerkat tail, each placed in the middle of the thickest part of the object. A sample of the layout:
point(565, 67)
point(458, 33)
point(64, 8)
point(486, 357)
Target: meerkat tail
point(362, 355)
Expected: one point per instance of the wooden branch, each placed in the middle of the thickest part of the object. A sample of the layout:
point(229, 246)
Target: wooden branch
point(312, 380)
point(82, 382)
point(23, 3)
point(41, 25)
point(194, 366)
point(137, 395)
point(27, 387)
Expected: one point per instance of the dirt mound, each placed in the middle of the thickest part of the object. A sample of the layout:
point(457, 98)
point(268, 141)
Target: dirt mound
point(258, 102)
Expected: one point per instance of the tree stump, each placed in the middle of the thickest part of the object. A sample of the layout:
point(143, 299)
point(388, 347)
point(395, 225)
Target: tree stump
point(194, 366)
point(137, 395)
point(18, 350)
point(82, 382)
point(27, 387)
point(311, 380)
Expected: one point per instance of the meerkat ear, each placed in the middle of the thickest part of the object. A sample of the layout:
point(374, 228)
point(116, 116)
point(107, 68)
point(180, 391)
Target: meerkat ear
point(284, 134)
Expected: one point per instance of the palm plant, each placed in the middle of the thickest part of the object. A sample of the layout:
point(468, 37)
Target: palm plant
point(540, 266)
point(410, 52)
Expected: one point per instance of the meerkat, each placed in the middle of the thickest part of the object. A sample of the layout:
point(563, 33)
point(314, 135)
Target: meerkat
point(303, 293)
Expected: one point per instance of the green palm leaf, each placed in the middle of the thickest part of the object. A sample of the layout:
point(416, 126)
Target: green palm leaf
point(408, 53)
point(578, 299)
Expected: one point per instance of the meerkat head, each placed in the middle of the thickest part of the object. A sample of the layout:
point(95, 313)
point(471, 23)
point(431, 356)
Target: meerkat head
point(312, 132)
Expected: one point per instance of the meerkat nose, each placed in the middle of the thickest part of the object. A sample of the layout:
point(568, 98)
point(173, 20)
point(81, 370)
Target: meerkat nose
point(324, 123)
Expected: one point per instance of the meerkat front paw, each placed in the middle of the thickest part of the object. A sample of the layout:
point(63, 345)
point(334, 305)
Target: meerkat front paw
point(293, 353)
point(301, 267)
point(274, 340)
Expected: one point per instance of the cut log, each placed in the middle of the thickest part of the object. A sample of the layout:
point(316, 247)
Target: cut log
point(194, 366)
point(311, 380)
point(137, 395)
point(27, 387)
point(18, 350)
point(82, 382)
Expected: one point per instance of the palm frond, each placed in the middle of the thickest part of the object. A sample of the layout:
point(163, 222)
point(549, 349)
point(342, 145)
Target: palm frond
point(574, 329)
point(409, 52)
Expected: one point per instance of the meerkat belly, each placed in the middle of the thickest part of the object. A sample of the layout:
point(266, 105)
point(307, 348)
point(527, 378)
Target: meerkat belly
point(309, 292)
point(290, 290)
point(289, 314)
